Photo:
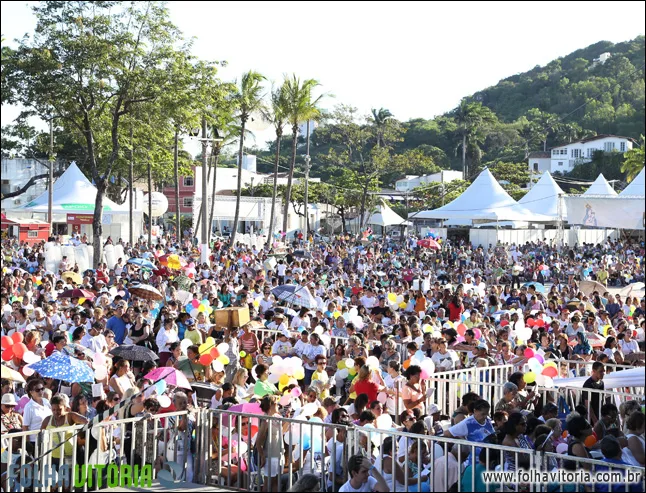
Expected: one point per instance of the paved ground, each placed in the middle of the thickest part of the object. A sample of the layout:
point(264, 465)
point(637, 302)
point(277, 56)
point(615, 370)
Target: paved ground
point(179, 486)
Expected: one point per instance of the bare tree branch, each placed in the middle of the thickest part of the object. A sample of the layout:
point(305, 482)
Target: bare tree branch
point(29, 184)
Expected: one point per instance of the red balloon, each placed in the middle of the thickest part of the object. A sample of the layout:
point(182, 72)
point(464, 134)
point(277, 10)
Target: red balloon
point(17, 337)
point(215, 354)
point(206, 359)
point(550, 371)
point(7, 354)
point(529, 353)
point(540, 323)
point(530, 322)
point(504, 323)
point(7, 342)
point(461, 329)
point(19, 349)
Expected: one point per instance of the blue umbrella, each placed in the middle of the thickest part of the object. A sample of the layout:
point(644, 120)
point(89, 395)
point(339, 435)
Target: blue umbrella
point(63, 367)
point(537, 285)
point(140, 262)
point(295, 295)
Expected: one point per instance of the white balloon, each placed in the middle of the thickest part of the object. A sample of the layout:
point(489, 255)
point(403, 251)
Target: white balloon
point(342, 374)
point(318, 330)
point(549, 382)
point(372, 362)
point(326, 340)
point(217, 366)
point(29, 357)
point(28, 372)
point(223, 348)
point(309, 409)
point(358, 322)
point(99, 359)
point(164, 401)
point(384, 422)
point(273, 378)
point(349, 363)
point(100, 372)
point(353, 312)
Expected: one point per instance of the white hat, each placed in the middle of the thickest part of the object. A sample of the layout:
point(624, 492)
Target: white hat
point(9, 399)
point(432, 409)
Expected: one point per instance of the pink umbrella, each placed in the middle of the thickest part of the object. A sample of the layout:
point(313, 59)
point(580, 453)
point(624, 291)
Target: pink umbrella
point(245, 407)
point(171, 375)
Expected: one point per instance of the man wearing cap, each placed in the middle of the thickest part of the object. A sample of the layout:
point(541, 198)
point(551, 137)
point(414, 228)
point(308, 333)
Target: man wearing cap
point(278, 323)
point(191, 333)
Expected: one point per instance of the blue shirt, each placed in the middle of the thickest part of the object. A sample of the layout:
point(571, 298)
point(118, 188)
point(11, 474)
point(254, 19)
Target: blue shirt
point(615, 487)
point(118, 326)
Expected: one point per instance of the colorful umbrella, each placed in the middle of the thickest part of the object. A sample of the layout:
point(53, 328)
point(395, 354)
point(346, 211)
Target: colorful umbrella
point(173, 261)
point(537, 285)
point(63, 367)
point(134, 353)
point(76, 293)
point(75, 276)
point(12, 375)
point(171, 375)
point(428, 243)
point(146, 291)
point(295, 295)
point(143, 263)
point(245, 407)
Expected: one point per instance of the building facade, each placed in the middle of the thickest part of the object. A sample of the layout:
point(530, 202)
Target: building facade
point(15, 174)
point(410, 182)
point(565, 157)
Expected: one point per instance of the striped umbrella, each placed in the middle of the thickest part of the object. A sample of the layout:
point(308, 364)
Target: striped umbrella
point(146, 291)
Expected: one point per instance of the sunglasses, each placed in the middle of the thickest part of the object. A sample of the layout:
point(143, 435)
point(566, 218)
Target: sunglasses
point(321, 362)
point(39, 389)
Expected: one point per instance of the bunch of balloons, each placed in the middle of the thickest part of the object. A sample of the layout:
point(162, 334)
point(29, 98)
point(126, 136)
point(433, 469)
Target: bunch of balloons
point(396, 301)
point(194, 307)
point(190, 271)
point(285, 372)
point(209, 352)
point(99, 363)
point(542, 372)
point(12, 346)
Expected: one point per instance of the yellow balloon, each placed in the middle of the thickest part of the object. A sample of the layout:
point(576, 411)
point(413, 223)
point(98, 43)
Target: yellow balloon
point(281, 387)
point(256, 303)
point(223, 359)
point(427, 328)
point(299, 374)
point(336, 314)
point(204, 348)
point(210, 342)
point(340, 365)
point(283, 380)
point(392, 297)
point(606, 328)
point(242, 354)
point(200, 308)
point(402, 305)
point(529, 377)
point(352, 371)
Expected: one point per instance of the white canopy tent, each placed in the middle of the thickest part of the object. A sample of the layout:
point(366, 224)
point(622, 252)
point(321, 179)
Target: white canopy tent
point(544, 198)
point(600, 187)
point(385, 216)
point(484, 200)
point(635, 377)
point(635, 187)
point(73, 193)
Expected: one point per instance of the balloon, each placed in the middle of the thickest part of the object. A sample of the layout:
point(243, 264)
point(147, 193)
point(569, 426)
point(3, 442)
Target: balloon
point(549, 371)
point(223, 348)
point(7, 342)
point(203, 348)
point(299, 374)
point(539, 323)
point(206, 359)
point(194, 312)
point(561, 448)
point(424, 374)
point(28, 372)
point(349, 363)
point(243, 354)
point(372, 362)
point(358, 322)
point(195, 303)
point(336, 314)
point(30, 357)
point(461, 328)
point(285, 400)
point(19, 349)
point(504, 323)
point(352, 371)
point(540, 380)
point(296, 392)
point(392, 297)
point(309, 409)
point(214, 353)
point(590, 441)
point(529, 353)
point(539, 358)
point(164, 401)
point(7, 354)
point(210, 341)
point(530, 322)
point(402, 305)
point(340, 365)
point(185, 344)
point(284, 379)
point(99, 359)
point(427, 328)
point(17, 337)
point(549, 383)
point(343, 374)
point(218, 366)
point(534, 365)
point(272, 378)
point(477, 333)
point(529, 377)
point(223, 359)
point(384, 422)
point(382, 397)
point(428, 365)
point(160, 387)
point(100, 372)
point(406, 364)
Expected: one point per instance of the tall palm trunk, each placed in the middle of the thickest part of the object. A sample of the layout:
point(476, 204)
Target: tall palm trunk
point(288, 195)
point(178, 214)
point(464, 155)
point(272, 218)
point(199, 217)
point(243, 121)
point(216, 156)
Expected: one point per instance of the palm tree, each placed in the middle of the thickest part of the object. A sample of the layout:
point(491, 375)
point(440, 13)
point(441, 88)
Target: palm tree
point(301, 108)
point(278, 116)
point(471, 119)
point(249, 99)
point(380, 120)
point(228, 132)
point(634, 161)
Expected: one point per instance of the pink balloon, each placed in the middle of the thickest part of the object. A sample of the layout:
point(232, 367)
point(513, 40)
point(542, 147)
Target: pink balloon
point(424, 374)
point(540, 359)
point(284, 400)
point(460, 339)
point(195, 303)
point(529, 353)
point(382, 397)
point(477, 333)
point(296, 392)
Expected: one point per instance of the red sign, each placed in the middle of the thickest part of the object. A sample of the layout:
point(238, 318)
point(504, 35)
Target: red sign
point(79, 218)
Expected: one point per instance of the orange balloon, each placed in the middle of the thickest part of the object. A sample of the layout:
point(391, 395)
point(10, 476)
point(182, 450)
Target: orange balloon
point(564, 434)
point(17, 337)
point(215, 354)
point(590, 441)
point(461, 329)
point(406, 364)
point(206, 359)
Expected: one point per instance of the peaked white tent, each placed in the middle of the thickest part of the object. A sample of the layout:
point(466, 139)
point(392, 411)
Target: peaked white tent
point(544, 197)
point(73, 193)
point(385, 216)
point(600, 187)
point(635, 187)
point(484, 200)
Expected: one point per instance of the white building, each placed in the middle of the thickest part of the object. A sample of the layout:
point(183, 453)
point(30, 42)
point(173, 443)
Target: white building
point(565, 157)
point(15, 174)
point(601, 59)
point(413, 181)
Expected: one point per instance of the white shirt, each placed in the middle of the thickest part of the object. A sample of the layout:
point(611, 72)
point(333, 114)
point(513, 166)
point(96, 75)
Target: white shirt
point(299, 347)
point(312, 352)
point(165, 338)
point(281, 349)
point(629, 347)
point(34, 414)
point(266, 304)
point(367, 486)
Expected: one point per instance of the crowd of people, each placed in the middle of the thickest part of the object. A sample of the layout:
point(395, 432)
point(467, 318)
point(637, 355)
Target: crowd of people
point(383, 317)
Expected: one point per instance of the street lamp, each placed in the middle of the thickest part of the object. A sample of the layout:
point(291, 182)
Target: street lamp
point(307, 181)
point(252, 178)
point(204, 254)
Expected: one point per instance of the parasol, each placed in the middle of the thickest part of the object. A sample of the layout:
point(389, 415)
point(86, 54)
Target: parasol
point(589, 287)
point(146, 291)
point(295, 295)
point(11, 375)
point(76, 293)
point(75, 276)
point(171, 375)
point(134, 353)
point(63, 367)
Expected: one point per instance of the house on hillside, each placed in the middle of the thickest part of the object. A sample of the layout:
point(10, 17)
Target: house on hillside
point(412, 181)
point(565, 157)
point(601, 59)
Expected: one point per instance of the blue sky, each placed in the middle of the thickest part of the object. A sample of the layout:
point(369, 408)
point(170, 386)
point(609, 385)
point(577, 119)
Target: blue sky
point(418, 59)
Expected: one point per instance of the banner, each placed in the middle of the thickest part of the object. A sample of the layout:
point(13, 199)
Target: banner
point(79, 218)
point(606, 212)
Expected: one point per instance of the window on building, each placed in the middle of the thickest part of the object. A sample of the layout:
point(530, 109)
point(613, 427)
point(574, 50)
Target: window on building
point(622, 147)
point(591, 153)
point(560, 163)
point(576, 153)
point(555, 152)
point(188, 202)
point(563, 152)
point(609, 146)
point(32, 234)
point(188, 181)
point(535, 166)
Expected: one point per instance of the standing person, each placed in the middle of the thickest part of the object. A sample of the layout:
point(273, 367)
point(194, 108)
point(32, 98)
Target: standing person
point(117, 324)
point(312, 350)
point(232, 353)
point(165, 338)
point(592, 399)
point(61, 418)
point(249, 344)
point(185, 424)
point(363, 476)
point(269, 444)
point(36, 410)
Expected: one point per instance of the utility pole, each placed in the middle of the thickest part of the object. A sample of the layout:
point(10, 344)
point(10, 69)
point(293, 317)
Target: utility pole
point(252, 178)
point(178, 229)
point(307, 181)
point(131, 205)
point(50, 188)
point(204, 257)
point(150, 205)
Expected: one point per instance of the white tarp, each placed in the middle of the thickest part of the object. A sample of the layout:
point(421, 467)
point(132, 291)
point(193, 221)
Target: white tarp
point(543, 198)
point(385, 216)
point(635, 377)
point(606, 212)
point(600, 186)
point(73, 193)
point(484, 199)
point(635, 187)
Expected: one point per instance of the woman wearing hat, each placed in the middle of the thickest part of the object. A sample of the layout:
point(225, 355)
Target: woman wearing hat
point(11, 420)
